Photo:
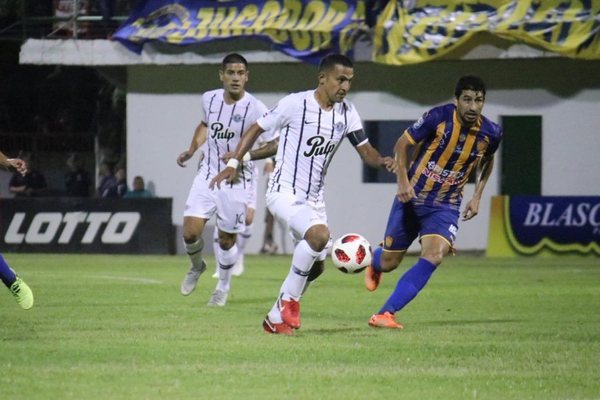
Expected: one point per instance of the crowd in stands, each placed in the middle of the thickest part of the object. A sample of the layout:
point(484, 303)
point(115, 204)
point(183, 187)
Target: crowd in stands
point(78, 181)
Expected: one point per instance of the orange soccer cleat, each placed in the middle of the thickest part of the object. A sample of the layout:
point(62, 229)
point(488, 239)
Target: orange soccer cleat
point(290, 312)
point(277, 329)
point(385, 320)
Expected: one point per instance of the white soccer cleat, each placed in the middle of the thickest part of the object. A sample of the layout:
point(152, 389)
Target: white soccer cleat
point(191, 279)
point(218, 298)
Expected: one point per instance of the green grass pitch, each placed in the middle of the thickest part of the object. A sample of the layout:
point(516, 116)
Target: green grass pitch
point(116, 327)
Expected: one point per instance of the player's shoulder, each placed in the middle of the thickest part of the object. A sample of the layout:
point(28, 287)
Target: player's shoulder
point(300, 96)
point(295, 99)
point(213, 93)
point(490, 127)
point(444, 111)
point(435, 116)
point(347, 106)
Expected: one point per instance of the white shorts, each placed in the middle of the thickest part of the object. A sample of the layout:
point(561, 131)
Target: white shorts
point(228, 203)
point(299, 215)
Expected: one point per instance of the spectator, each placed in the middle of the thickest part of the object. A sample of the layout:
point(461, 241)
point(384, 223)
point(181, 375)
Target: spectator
point(108, 181)
point(77, 179)
point(138, 190)
point(31, 184)
point(122, 188)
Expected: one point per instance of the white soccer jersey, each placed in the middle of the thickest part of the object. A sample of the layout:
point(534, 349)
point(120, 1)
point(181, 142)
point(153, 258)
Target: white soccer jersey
point(309, 137)
point(225, 125)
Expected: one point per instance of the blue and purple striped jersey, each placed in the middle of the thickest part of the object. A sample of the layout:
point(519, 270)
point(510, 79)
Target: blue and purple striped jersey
point(446, 154)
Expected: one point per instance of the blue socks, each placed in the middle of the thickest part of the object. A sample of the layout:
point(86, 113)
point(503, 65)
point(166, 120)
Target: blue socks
point(6, 273)
point(376, 260)
point(409, 285)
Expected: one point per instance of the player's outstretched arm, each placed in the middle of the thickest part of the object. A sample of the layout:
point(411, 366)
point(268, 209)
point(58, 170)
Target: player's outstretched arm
point(268, 149)
point(198, 140)
point(373, 158)
point(482, 173)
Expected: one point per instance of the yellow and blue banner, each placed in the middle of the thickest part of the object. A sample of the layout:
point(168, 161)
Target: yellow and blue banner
point(544, 225)
point(409, 32)
point(304, 29)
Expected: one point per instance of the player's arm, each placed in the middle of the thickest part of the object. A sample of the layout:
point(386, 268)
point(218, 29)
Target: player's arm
point(19, 165)
point(368, 153)
point(402, 153)
point(265, 150)
point(482, 173)
point(230, 172)
point(268, 149)
point(198, 140)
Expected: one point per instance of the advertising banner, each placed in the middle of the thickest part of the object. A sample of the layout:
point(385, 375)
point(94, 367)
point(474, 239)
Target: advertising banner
point(305, 29)
point(546, 225)
point(76, 225)
point(409, 32)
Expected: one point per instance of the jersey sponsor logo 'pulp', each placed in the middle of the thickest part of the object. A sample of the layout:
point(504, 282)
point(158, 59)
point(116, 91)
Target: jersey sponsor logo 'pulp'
point(220, 132)
point(45, 227)
point(318, 146)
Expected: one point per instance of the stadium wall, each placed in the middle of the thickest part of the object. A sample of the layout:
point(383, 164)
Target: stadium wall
point(163, 102)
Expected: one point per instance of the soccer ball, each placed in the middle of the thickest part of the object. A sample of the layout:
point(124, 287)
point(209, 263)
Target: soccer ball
point(351, 253)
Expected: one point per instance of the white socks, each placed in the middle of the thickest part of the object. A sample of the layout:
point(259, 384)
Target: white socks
point(293, 285)
point(226, 259)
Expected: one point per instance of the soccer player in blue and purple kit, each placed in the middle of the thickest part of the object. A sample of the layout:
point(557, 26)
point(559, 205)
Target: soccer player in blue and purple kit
point(435, 157)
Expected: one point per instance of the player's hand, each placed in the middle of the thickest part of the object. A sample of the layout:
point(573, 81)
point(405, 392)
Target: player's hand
point(19, 165)
point(389, 163)
point(406, 193)
point(183, 157)
point(471, 209)
point(228, 175)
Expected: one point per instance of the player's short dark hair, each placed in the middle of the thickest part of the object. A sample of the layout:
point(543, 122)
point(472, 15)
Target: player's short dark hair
point(234, 58)
point(469, 82)
point(332, 60)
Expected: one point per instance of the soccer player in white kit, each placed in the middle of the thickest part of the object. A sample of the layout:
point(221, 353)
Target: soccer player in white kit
point(312, 125)
point(226, 115)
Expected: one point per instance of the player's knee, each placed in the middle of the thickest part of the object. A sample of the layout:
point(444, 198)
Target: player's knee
point(226, 240)
point(317, 243)
point(317, 237)
point(190, 236)
point(434, 257)
point(391, 260)
point(316, 270)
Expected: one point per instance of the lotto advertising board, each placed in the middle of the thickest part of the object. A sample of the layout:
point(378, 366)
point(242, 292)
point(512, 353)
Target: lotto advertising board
point(544, 225)
point(75, 225)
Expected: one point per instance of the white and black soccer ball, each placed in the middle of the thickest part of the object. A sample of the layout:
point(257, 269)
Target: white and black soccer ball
point(351, 253)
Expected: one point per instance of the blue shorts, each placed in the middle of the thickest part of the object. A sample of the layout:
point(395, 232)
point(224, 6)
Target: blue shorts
point(408, 221)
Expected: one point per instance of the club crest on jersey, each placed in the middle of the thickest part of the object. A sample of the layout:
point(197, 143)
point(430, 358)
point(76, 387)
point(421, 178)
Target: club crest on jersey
point(339, 127)
point(220, 132)
point(237, 118)
point(318, 147)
